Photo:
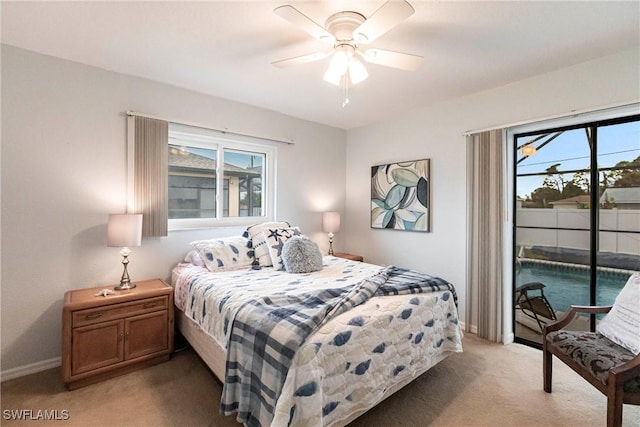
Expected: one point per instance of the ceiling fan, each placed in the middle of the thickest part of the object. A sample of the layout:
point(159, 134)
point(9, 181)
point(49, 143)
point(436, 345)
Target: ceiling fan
point(346, 34)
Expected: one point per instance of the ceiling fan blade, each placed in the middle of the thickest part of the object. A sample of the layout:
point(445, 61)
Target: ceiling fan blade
point(390, 58)
point(305, 23)
point(297, 60)
point(382, 20)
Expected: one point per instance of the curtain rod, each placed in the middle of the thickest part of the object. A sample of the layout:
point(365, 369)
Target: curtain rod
point(223, 131)
point(555, 116)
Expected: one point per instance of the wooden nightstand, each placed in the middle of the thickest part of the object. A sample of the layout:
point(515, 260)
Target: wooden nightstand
point(349, 256)
point(107, 336)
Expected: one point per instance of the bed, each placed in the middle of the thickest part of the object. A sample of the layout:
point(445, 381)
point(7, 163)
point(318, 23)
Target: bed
point(314, 348)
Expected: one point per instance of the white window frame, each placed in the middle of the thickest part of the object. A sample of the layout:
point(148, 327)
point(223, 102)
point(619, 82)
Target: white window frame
point(210, 139)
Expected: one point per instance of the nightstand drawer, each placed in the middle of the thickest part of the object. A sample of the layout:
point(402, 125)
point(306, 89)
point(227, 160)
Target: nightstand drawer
point(118, 311)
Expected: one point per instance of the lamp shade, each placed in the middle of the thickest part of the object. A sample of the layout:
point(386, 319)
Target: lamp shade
point(357, 72)
point(331, 222)
point(124, 230)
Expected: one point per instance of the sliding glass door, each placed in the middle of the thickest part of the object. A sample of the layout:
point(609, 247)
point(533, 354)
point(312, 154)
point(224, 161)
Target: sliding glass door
point(577, 220)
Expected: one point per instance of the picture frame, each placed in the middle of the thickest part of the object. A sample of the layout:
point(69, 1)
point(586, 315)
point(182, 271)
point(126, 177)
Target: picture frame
point(400, 196)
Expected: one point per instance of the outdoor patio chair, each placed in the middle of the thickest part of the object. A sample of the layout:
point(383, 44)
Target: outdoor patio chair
point(609, 358)
point(530, 300)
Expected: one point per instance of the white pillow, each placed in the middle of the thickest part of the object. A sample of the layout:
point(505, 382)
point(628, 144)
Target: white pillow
point(230, 253)
point(193, 257)
point(622, 324)
point(261, 250)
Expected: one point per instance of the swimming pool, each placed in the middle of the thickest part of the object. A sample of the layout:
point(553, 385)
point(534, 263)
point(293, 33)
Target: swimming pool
point(568, 284)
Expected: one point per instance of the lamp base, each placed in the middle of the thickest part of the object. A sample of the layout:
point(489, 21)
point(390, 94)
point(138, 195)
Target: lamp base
point(125, 286)
point(125, 281)
point(330, 244)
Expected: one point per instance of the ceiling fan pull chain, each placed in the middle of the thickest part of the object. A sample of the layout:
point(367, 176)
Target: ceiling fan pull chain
point(345, 90)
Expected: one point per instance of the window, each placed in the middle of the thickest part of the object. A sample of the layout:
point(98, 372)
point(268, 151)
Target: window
point(577, 219)
point(217, 181)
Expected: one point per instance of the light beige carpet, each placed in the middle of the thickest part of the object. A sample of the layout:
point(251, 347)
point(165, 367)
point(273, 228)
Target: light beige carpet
point(487, 385)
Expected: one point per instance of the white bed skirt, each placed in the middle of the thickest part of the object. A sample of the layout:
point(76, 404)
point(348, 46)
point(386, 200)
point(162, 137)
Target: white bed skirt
point(209, 350)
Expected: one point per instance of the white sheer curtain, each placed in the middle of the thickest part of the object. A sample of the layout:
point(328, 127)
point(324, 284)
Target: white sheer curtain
point(484, 305)
point(149, 140)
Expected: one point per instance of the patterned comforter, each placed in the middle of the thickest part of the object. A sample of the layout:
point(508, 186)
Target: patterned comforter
point(288, 363)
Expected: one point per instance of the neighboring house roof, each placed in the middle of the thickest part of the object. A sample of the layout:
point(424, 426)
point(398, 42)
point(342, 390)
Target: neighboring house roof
point(573, 201)
point(184, 159)
point(621, 196)
point(188, 160)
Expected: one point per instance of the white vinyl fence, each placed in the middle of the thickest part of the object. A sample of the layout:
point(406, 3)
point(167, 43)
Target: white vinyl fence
point(610, 219)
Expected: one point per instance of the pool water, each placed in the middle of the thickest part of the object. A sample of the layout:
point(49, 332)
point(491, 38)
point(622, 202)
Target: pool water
point(565, 286)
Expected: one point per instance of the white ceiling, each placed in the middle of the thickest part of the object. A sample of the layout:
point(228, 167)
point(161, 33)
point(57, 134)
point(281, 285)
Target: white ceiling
point(225, 48)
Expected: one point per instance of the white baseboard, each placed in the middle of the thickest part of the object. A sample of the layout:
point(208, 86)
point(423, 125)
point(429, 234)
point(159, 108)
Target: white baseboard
point(32, 368)
point(509, 338)
point(473, 328)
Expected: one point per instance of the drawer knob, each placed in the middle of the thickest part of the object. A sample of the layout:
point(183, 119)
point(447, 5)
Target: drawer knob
point(150, 304)
point(94, 315)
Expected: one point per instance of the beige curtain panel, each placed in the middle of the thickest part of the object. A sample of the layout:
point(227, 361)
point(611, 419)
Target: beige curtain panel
point(151, 138)
point(485, 249)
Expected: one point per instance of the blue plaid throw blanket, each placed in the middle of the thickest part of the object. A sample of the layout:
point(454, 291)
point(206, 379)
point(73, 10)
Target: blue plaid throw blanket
point(267, 332)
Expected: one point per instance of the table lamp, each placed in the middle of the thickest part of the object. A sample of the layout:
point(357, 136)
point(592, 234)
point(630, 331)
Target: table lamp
point(123, 231)
point(331, 224)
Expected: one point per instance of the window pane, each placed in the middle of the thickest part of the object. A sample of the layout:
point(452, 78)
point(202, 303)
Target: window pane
point(552, 170)
point(566, 150)
point(192, 182)
point(619, 143)
point(243, 176)
point(552, 236)
point(554, 191)
point(619, 214)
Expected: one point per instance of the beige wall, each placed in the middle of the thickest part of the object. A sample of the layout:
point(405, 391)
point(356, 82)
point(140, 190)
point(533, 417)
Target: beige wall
point(436, 132)
point(64, 169)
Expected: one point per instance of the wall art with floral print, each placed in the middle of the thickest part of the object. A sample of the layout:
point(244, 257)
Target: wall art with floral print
point(400, 196)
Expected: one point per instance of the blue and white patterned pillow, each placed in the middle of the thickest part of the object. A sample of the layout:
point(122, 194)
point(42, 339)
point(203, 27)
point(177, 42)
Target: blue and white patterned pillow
point(275, 239)
point(259, 243)
point(230, 253)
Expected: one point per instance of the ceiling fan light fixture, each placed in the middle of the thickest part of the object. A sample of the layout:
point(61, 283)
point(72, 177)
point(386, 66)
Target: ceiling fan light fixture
point(339, 64)
point(341, 58)
point(345, 32)
point(330, 76)
point(357, 71)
